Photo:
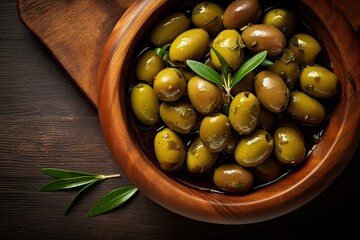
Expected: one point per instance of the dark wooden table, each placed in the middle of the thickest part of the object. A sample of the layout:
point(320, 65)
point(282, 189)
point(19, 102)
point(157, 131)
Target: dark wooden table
point(45, 121)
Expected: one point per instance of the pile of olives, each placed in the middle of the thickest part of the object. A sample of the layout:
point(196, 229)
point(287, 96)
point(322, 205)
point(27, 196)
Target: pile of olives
point(274, 115)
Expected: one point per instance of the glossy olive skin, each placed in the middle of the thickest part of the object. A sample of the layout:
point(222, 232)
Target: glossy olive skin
point(268, 170)
point(305, 47)
point(261, 37)
point(208, 16)
point(230, 45)
point(305, 109)
point(245, 85)
point(145, 104)
point(148, 65)
point(169, 84)
point(169, 149)
point(199, 159)
point(233, 178)
point(271, 91)
point(282, 19)
point(205, 96)
point(215, 132)
point(287, 68)
point(254, 148)
point(240, 13)
point(166, 29)
point(191, 44)
point(289, 146)
point(178, 116)
point(318, 81)
point(244, 112)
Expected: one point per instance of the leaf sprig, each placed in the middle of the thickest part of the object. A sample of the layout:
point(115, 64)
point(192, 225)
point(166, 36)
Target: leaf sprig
point(65, 179)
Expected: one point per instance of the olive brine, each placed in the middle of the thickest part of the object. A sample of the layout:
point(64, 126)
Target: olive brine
point(230, 100)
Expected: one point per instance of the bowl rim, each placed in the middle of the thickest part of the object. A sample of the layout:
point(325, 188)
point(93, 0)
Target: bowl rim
point(321, 171)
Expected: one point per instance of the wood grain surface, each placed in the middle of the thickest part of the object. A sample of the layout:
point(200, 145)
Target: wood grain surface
point(46, 121)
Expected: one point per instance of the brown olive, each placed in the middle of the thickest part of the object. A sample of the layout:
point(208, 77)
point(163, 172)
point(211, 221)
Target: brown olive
point(305, 47)
point(254, 148)
point(305, 109)
point(199, 159)
point(282, 19)
point(208, 16)
point(179, 116)
point(261, 37)
point(169, 149)
point(148, 65)
point(205, 96)
point(166, 29)
point(244, 112)
point(169, 84)
point(233, 142)
point(267, 119)
point(145, 104)
point(240, 13)
point(271, 91)
point(233, 178)
point(269, 169)
point(215, 132)
point(245, 85)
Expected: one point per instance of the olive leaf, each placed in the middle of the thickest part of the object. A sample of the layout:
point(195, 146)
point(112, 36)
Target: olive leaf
point(112, 200)
point(205, 71)
point(67, 183)
point(224, 65)
point(60, 173)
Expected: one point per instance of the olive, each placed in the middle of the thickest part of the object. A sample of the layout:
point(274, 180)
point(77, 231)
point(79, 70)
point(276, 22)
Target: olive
point(199, 159)
point(187, 72)
point(287, 68)
point(269, 169)
point(305, 109)
point(282, 19)
point(318, 81)
point(208, 16)
point(233, 142)
point(179, 116)
point(245, 85)
point(241, 12)
point(166, 29)
point(205, 96)
point(254, 148)
point(261, 37)
point(289, 146)
point(267, 119)
point(305, 47)
point(244, 112)
point(191, 44)
point(271, 91)
point(169, 149)
point(169, 84)
point(232, 177)
point(230, 45)
point(148, 65)
point(215, 132)
point(144, 104)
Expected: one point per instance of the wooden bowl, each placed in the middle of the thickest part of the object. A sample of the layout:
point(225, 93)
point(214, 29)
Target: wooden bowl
point(326, 162)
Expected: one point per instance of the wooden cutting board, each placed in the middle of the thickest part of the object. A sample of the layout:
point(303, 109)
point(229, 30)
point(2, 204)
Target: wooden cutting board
point(75, 32)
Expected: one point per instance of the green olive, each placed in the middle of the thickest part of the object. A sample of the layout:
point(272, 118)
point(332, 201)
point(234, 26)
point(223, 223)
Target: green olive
point(244, 112)
point(245, 85)
point(169, 149)
point(261, 37)
point(145, 104)
point(148, 65)
point(178, 116)
point(230, 45)
point(241, 12)
point(191, 44)
point(169, 84)
point(282, 19)
point(166, 29)
point(215, 132)
point(289, 146)
point(205, 96)
point(254, 148)
point(208, 16)
point(318, 81)
point(267, 119)
point(287, 68)
point(232, 177)
point(271, 91)
point(305, 109)
point(305, 47)
point(199, 159)
point(269, 169)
